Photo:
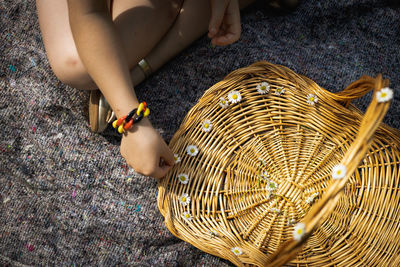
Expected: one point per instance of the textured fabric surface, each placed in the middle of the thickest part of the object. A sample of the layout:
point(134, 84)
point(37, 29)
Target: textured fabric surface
point(67, 197)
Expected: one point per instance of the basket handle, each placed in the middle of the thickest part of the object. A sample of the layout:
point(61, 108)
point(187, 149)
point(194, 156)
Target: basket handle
point(356, 89)
point(355, 154)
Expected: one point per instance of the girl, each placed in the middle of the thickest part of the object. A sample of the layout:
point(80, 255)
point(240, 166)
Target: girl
point(114, 45)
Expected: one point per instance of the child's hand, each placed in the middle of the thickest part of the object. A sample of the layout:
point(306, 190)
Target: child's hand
point(145, 151)
point(224, 27)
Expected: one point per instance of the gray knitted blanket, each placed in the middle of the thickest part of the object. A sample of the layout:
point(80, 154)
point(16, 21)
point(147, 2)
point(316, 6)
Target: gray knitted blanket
point(67, 197)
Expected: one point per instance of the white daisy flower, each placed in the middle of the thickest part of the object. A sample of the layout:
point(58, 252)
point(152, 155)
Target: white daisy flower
point(310, 200)
point(280, 91)
point(213, 233)
point(272, 186)
point(384, 95)
point(275, 210)
point(177, 159)
point(188, 217)
point(263, 88)
point(192, 150)
point(183, 178)
point(339, 171)
point(237, 251)
point(184, 199)
point(262, 161)
point(234, 97)
point(207, 125)
point(299, 231)
point(223, 103)
point(312, 99)
point(265, 176)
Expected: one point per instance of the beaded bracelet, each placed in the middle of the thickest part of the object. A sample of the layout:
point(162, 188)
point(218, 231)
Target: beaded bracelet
point(125, 123)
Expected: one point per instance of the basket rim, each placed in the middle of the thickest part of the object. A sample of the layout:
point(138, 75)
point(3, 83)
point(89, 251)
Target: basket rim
point(163, 198)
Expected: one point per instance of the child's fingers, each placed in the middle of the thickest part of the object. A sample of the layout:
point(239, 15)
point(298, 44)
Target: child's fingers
point(226, 39)
point(165, 168)
point(165, 162)
point(234, 19)
point(230, 29)
point(234, 28)
point(168, 156)
point(218, 8)
point(160, 172)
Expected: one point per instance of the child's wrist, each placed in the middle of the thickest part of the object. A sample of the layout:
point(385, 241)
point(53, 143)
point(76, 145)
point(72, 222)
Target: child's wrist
point(123, 110)
point(124, 123)
point(138, 128)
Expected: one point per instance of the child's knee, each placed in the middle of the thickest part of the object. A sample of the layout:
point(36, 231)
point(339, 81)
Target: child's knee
point(168, 10)
point(69, 70)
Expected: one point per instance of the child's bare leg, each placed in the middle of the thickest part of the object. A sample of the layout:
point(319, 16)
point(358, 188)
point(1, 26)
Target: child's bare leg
point(58, 42)
point(191, 24)
point(141, 23)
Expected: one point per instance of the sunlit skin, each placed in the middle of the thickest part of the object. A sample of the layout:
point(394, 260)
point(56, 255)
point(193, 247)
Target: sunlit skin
point(90, 47)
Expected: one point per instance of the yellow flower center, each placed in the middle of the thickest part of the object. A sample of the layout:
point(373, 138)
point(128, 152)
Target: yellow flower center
point(223, 102)
point(206, 125)
point(339, 172)
point(183, 199)
point(192, 150)
point(187, 215)
point(383, 94)
point(311, 99)
point(263, 87)
point(183, 178)
point(236, 251)
point(234, 96)
point(299, 231)
point(272, 185)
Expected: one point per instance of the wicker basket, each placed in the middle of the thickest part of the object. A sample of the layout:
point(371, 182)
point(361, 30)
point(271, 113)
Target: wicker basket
point(265, 164)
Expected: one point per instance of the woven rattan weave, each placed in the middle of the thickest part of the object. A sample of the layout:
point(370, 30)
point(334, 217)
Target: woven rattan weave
point(265, 163)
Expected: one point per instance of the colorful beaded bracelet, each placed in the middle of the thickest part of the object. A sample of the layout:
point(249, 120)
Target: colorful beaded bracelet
point(125, 123)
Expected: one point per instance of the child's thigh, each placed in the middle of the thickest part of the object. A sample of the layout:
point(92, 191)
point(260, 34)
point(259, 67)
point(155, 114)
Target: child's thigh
point(59, 43)
point(143, 23)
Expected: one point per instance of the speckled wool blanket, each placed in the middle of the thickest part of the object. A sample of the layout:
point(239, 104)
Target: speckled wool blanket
point(67, 197)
